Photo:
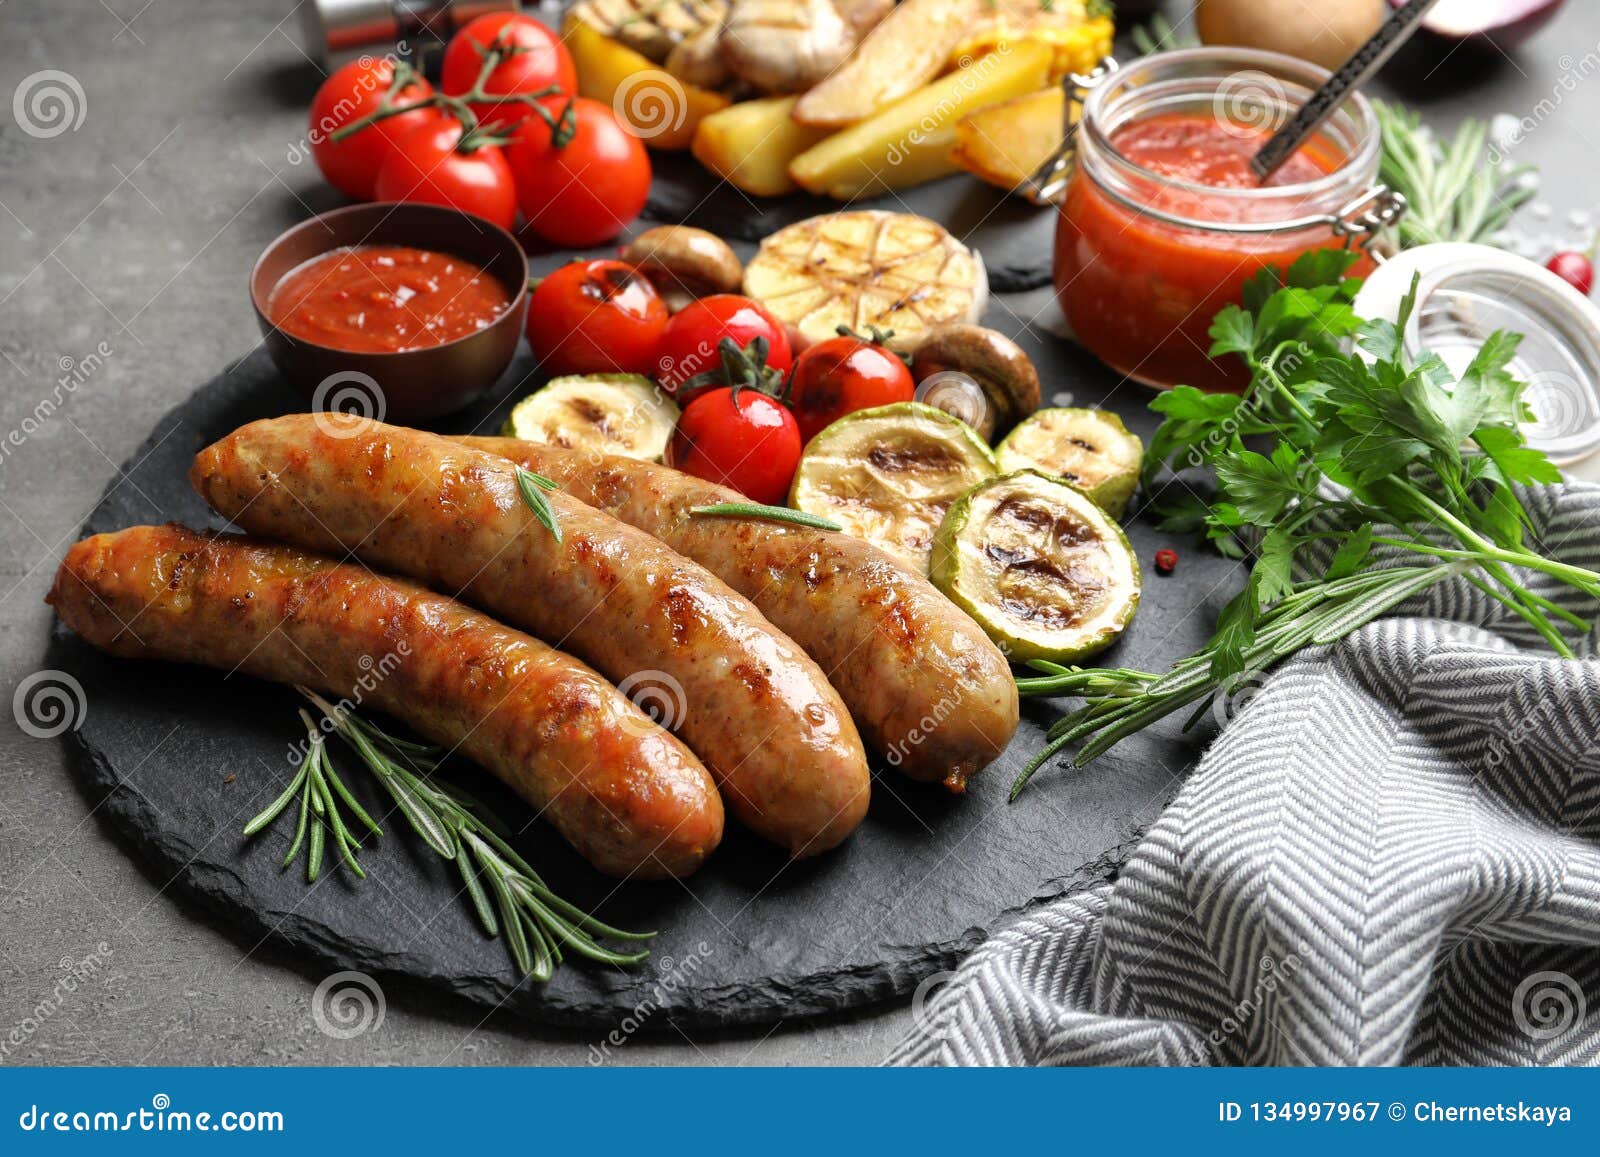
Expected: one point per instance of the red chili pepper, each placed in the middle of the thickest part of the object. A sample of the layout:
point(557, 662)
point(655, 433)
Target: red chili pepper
point(1166, 561)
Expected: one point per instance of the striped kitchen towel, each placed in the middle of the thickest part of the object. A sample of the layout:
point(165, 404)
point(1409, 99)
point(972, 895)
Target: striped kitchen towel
point(1391, 855)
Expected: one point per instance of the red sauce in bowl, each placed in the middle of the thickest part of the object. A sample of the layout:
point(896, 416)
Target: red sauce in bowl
point(385, 298)
point(1141, 293)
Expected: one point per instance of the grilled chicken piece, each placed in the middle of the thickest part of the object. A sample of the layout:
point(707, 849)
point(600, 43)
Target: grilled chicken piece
point(782, 46)
point(652, 27)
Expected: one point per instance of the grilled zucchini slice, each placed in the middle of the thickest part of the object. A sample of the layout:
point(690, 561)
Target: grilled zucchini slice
point(1091, 449)
point(1045, 571)
point(888, 475)
point(621, 414)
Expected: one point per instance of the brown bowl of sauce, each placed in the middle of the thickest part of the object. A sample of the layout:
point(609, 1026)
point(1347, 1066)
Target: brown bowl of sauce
point(403, 312)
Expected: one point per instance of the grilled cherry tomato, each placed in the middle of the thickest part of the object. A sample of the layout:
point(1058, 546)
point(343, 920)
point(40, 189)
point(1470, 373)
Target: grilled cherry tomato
point(749, 442)
point(351, 165)
point(427, 167)
point(536, 60)
point(584, 186)
point(689, 345)
point(842, 375)
point(593, 316)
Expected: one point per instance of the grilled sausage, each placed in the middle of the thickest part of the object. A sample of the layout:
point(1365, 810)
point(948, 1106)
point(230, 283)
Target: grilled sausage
point(626, 794)
point(928, 690)
point(753, 706)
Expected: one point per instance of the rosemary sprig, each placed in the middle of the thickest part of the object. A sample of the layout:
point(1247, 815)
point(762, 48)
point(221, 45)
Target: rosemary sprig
point(1455, 191)
point(1118, 702)
point(506, 894)
point(1158, 35)
point(532, 487)
point(321, 793)
point(767, 513)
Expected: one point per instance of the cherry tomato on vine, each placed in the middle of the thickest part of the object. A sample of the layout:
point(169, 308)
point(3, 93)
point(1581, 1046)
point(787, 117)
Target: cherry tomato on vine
point(537, 59)
point(427, 167)
point(591, 317)
point(689, 345)
point(750, 443)
point(351, 165)
point(582, 184)
point(842, 375)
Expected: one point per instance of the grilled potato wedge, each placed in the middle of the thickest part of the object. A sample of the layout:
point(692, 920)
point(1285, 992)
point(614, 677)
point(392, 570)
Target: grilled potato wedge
point(907, 49)
point(1006, 143)
point(750, 144)
point(909, 142)
point(654, 105)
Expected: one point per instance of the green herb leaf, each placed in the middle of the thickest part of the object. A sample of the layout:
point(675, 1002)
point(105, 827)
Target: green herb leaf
point(1261, 488)
point(535, 922)
point(1233, 332)
point(1513, 458)
point(532, 487)
point(1457, 190)
point(766, 513)
point(1352, 552)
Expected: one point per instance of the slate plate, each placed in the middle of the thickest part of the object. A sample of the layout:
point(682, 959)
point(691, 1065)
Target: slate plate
point(187, 756)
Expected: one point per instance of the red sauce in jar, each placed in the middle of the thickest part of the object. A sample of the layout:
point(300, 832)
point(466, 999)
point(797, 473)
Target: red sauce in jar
point(1141, 293)
point(383, 298)
point(1205, 151)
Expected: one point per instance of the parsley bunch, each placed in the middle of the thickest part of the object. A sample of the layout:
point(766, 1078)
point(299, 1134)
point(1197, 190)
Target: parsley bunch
point(1368, 476)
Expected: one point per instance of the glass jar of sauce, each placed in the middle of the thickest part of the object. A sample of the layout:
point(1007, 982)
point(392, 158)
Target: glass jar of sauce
point(1163, 220)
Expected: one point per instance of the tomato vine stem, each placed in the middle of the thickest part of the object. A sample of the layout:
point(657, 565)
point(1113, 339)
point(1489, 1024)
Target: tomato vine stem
point(459, 105)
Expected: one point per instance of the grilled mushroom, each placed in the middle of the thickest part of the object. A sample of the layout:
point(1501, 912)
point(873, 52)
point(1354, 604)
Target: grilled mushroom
point(685, 263)
point(993, 360)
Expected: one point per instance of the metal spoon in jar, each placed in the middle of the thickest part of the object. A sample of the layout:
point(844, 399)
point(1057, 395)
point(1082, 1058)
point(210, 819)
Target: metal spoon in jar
point(1353, 73)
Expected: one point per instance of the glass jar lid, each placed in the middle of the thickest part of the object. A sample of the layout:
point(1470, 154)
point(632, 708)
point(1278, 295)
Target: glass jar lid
point(1466, 292)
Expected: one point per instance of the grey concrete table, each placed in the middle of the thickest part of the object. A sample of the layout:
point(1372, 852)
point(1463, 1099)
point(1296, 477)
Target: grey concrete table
point(128, 217)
